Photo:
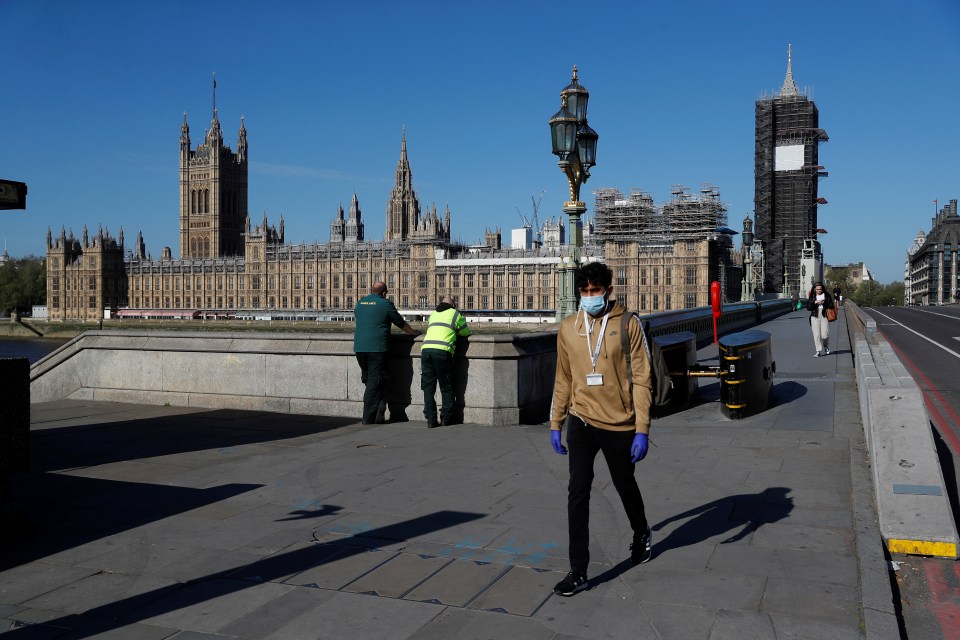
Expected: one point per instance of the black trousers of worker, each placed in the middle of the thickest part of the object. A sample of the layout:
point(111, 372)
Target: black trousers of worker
point(583, 443)
point(436, 366)
point(373, 374)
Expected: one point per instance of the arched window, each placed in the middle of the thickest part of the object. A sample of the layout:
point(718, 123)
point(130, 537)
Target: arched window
point(193, 247)
point(206, 247)
point(193, 202)
point(206, 200)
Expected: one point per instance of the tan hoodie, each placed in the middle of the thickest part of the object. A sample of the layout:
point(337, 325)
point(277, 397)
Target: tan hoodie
point(605, 406)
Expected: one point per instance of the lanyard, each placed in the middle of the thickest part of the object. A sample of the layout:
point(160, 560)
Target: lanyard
point(594, 355)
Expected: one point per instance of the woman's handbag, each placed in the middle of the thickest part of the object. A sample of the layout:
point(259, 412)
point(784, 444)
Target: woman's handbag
point(831, 314)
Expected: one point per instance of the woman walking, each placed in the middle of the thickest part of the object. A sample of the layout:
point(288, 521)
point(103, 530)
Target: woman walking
point(818, 303)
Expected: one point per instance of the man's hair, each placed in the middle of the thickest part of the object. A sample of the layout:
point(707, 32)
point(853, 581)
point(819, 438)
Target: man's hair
point(594, 273)
point(378, 288)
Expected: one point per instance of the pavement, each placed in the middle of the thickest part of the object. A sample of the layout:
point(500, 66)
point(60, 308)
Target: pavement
point(163, 522)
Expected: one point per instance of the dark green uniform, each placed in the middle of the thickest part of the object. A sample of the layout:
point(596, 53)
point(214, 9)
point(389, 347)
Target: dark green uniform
point(436, 361)
point(374, 315)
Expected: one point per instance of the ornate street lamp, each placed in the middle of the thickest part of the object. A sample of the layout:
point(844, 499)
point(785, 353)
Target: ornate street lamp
point(575, 144)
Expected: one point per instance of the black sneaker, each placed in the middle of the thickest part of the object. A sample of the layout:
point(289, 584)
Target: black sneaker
point(571, 584)
point(381, 414)
point(641, 549)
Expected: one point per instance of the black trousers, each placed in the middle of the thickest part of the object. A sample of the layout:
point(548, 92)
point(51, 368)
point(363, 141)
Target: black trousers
point(436, 366)
point(583, 443)
point(373, 374)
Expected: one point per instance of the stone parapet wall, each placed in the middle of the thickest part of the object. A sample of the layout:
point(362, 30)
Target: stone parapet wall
point(500, 380)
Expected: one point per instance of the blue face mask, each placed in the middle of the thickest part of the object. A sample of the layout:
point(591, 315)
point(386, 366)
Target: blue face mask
point(593, 304)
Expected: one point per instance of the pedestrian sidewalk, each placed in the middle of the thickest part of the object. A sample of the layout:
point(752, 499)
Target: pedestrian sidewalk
point(162, 522)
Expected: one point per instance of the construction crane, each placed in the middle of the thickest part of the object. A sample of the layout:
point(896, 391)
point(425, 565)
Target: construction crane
point(534, 221)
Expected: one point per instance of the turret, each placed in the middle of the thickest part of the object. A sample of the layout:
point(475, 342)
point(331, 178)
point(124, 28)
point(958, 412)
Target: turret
point(242, 142)
point(184, 139)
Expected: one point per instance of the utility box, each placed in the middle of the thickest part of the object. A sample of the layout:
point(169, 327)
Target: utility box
point(746, 373)
point(679, 352)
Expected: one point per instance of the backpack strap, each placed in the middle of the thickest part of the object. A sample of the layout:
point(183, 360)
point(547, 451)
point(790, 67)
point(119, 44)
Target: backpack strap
point(625, 346)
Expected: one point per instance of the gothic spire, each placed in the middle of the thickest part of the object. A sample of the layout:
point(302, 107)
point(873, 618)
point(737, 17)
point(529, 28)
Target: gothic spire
point(789, 86)
point(404, 175)
point(242, 140)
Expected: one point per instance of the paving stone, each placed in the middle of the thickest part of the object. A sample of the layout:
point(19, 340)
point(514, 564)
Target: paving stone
point(783, 535)
point(341, 569)
point(590, 614)
point(209, 605)
point(28, 581)
point(824, 567)
point(680, 622)
point(167, 559)
point(742, 625)
point(456, 583)
point(519, 591)
point(123, 632)
point(30, 631)
point(464, 624)
point(827, 602)
point(710, 589)
point(109, 594)
point(802, 627)
point(271, 616)
point(397, 576)
point(351, 616)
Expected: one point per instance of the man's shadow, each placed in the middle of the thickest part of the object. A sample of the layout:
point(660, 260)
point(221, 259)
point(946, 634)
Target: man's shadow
point(461, 375)
point(739, 515)
point(397, 392)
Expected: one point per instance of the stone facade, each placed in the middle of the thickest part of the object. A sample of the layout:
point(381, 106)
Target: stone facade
point(84, 276)
point(229, 267)
point(932, 263)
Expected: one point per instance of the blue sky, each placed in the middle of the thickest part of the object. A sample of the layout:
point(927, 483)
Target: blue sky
point(95, 93)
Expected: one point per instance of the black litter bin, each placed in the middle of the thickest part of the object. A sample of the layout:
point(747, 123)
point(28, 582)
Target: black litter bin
point(746, 373)
point(679, 352)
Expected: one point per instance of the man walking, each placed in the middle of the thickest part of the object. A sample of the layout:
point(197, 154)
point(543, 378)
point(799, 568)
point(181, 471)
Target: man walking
point(605, 410)
point(373, 315)
point(436, 360)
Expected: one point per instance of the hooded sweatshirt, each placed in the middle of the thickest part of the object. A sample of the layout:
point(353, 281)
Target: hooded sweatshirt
point(605, 406)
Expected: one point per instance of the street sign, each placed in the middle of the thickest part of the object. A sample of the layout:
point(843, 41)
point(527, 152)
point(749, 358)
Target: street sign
point(13, 195)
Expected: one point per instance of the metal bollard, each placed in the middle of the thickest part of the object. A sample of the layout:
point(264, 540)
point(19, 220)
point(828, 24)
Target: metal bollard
point(746, 373)
point(679, 351)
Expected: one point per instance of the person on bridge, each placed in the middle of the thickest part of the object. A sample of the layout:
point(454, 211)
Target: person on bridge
point(604, 411)
point(819, 301)
point(436, 360)
point(373, 315)
point(837, 295)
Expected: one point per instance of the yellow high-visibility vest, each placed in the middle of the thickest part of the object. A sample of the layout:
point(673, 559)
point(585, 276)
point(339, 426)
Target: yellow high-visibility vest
point(443, 329)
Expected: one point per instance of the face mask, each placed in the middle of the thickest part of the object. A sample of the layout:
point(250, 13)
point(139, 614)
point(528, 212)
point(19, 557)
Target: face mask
point(593, 304)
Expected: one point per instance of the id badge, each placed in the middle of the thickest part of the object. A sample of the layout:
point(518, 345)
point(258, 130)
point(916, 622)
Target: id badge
point(594, 379)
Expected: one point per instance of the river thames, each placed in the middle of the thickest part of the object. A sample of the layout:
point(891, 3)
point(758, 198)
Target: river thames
point(31, 348)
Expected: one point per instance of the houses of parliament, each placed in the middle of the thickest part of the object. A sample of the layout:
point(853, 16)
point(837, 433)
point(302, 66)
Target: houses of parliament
point(230, 266)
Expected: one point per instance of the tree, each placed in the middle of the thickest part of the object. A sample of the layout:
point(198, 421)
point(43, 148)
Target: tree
point(23, 283)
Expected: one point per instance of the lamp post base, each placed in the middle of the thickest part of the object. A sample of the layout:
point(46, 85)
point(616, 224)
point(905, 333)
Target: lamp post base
point(567, 298)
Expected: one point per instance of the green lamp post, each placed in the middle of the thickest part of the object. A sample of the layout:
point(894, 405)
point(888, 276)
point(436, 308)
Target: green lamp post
point(575, 144)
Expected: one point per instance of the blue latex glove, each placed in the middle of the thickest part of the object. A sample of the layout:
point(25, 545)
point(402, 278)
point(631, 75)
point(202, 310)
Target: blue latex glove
point(638, 450)
point(556, 442)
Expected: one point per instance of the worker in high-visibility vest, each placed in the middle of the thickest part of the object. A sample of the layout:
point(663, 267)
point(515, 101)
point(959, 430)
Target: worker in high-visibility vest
point(436, 360)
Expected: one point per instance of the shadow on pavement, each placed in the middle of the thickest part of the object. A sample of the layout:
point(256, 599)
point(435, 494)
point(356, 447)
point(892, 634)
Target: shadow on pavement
point(127, 611)
point(746, 512)
point(61, 512)
point(52, 512)
point(59, 448)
